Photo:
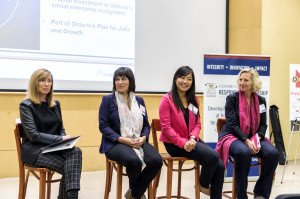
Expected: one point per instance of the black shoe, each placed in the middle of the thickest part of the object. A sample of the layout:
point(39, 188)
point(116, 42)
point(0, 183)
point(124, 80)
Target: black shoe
point(259, 197)
point(73, 194)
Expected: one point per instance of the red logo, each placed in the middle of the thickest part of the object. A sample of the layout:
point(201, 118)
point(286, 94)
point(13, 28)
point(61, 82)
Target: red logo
point(296, 79)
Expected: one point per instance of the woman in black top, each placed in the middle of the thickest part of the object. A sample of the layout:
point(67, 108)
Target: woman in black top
point(42, 122)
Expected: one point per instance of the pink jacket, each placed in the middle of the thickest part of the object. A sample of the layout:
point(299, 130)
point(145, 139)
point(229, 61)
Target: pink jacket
point(173, 126)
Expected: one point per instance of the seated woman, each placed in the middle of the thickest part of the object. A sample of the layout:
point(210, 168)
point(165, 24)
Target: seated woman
point(180, 128)
point(42, 122)
point(245, 113)
point(123, 122)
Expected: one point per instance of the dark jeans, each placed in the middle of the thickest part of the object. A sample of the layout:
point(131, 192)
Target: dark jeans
point(212, 168)
point(242, 154)
point(139, 179)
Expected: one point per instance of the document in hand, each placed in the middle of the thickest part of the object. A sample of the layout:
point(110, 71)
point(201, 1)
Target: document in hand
point(256, 140)
point(61, 145)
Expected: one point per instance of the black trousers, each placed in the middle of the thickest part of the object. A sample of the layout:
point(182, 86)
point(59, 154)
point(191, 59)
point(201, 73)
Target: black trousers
point(68, 163)
point(242, 154)
point(139, 178)
point(212, 168)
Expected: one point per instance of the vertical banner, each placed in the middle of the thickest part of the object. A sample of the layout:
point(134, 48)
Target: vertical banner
point(294, 96)
point(220, 78)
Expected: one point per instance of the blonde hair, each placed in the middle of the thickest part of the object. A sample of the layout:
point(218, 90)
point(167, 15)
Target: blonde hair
point(256, 82)
point(33, 87)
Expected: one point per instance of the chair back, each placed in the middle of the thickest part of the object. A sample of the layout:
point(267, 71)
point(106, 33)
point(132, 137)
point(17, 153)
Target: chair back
point(155, 126)
point(18, 137)
point(220, 123)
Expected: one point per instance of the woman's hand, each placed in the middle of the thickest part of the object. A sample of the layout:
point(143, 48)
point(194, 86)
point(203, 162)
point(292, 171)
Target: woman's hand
point(127, 141)
point(139, 142)
point(189, 145)
point(252, 146)
point(193, 141)
point(65, 137)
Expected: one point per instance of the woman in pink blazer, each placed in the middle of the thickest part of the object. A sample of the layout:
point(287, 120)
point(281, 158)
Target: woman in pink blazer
point(180, 123)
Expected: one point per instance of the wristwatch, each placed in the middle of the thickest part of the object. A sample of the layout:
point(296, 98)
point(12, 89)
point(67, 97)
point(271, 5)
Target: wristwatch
point(192, 137)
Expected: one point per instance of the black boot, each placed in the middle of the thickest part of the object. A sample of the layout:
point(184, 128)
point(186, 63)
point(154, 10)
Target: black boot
point(73, 194)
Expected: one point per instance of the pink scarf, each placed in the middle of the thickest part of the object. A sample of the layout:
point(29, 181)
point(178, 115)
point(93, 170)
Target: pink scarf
point(249, 120)
point(249, 116)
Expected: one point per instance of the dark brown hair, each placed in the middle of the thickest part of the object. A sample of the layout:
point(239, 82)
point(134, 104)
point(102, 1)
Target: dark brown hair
point(127, 72)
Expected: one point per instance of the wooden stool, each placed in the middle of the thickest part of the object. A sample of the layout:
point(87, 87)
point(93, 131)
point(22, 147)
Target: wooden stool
point(42, 174)
point(113, 165)
point(220, 123)
point(169, 161)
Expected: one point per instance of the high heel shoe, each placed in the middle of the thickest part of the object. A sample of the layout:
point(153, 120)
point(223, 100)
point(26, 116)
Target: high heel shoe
point(128, 195)
point(206, 191)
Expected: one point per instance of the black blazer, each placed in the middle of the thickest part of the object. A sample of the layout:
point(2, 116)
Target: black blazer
point(34, 137)
point(232, 115)
point(109, 122)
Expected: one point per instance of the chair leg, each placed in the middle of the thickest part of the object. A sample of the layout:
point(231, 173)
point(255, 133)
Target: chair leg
point(156, 183)
point(259, 166)
point(197, 181)
point(119, 181)
point(25, 184)
point(180, 164)
point(234, 193)
point(49, 178)
point(42, 185)
point(21, 184)
point(108, 179)
point(150, 191)
point(169, 179)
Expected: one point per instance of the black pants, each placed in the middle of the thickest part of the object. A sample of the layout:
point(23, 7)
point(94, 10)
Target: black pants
point(212, 168)
point(242, 154)
point(139, 179)
point(68, 163)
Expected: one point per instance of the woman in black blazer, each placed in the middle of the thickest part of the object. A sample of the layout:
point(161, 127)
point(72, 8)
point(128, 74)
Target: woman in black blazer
point(245, 113)
point(42, 122)
point(123, 122)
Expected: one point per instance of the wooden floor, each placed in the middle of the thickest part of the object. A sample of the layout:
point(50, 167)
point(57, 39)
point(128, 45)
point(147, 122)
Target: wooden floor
point(93, 183)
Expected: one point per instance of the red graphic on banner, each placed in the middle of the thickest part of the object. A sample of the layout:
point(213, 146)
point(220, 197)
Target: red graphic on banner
point(296, 79)
point(298, 83)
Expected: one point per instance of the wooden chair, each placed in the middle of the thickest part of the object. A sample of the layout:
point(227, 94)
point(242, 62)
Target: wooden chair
point(113, 165)
point(169, 161)
point(220, 123)
point(42, 174)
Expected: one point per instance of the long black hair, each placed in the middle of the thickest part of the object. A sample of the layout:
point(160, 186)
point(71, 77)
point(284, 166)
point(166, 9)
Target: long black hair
point(184, 71)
